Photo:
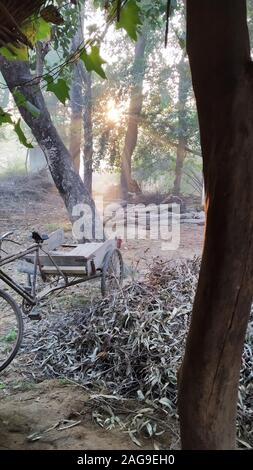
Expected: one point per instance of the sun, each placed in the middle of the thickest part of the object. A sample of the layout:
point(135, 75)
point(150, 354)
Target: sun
point(113, 113)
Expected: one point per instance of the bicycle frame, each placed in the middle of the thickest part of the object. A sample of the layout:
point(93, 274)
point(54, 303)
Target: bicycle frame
point(29, 297)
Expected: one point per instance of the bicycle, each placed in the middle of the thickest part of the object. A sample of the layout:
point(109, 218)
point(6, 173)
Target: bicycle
point(82, 263)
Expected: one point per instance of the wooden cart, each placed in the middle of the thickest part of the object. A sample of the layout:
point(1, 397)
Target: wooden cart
point(74, 264)
point(59, 266)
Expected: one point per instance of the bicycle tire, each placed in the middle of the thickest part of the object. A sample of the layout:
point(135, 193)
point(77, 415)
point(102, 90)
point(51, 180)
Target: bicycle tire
point(20, 328)
point(107, 264)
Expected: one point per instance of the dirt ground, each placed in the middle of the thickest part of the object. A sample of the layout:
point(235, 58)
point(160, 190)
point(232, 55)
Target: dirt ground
point(53, 415)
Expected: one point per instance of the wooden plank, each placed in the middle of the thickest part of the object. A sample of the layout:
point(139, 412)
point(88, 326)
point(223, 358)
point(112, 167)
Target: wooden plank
point(89, 250)
point(71, 270)
point(77, 257)
point(55, 240)
point(102, 249)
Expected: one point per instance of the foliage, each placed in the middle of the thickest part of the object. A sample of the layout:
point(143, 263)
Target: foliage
point(59, 87)
point(35, 30)
point(156, 152)
point(130, 19)
point(6, 118)
point(21, 135)
point(93, 61)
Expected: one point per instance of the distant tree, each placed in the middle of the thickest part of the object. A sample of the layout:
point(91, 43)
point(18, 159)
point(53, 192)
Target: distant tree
point(128, 184)
point(184, 88)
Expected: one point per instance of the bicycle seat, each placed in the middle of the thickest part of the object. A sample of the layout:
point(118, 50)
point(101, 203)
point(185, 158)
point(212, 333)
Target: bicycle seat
point(5, 235)
point(39, 238)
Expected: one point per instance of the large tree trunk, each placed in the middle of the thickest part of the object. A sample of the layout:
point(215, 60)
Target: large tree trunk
point(222, 74)
point(76, 104)
point(67, 181)
point(135, 107)
point(184, 87)
point(88, 131)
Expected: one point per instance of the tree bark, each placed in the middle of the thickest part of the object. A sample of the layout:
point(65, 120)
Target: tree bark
point(184, 87)
point(181, 154)
point(67, 181)
point(42, 48)
point(88, 131)
point(76, 104)
point(222, 74)
point(128, 184)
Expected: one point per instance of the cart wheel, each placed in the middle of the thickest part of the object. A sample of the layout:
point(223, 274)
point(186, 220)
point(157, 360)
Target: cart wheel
point(11, 329)
point(112, 272)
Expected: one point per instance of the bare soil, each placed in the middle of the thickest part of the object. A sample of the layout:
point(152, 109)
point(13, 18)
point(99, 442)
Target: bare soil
point(54, 416)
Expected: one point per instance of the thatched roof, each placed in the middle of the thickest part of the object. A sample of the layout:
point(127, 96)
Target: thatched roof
point(13, 13)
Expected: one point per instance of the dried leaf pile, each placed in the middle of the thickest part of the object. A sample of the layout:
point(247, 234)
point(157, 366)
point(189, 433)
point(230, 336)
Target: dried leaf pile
point(130, 347)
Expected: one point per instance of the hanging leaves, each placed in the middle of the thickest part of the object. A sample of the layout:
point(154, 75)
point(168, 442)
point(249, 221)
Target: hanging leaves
point(43, 30)
point(21, 100)
point(130, 19)
point(5, 118)
point(60, 88)
point(93, 61)
point(14, 53)
point(22, 138)
point(35, 30)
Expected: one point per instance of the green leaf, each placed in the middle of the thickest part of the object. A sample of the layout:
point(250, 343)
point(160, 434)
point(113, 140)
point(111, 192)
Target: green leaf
point(14, 53)
point(59, 88)
point(35, 30)
point(5, 118)
point(21, 135)
point(130, 19)
point(93, 61)
point(43, 29)
point(22, 101)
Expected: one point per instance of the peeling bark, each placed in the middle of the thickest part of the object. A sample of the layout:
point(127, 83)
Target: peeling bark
point(222, 74)
point(42, 48)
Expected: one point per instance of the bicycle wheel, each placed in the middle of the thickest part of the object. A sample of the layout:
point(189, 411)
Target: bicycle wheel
point(11, 329)
point(112, 272)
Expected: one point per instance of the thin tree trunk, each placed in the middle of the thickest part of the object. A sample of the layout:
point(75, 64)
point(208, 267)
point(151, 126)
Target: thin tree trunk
point(135, 107)
point(184, 87)
point(88, 131)
point(76, 104)
point(181, 154)
point(67, 181)
point(222, 74)
point(42, 48)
